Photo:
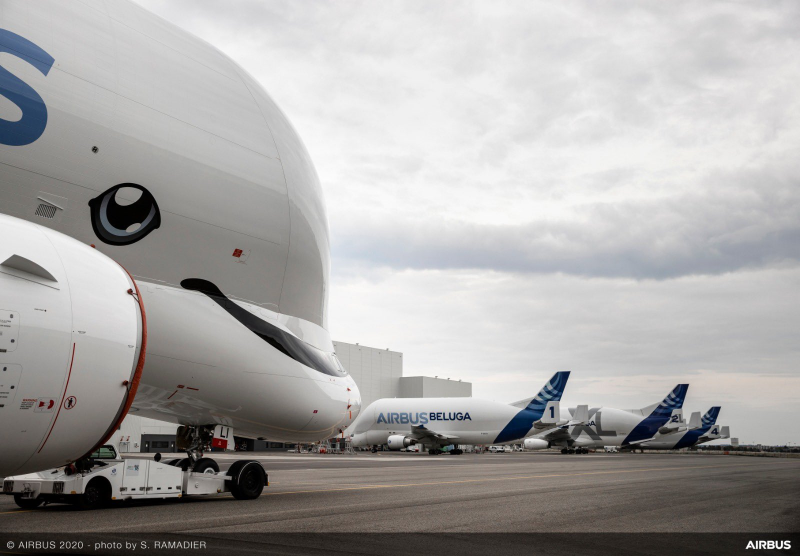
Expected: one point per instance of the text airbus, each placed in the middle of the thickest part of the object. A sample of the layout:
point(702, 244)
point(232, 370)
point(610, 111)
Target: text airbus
point(421, 418)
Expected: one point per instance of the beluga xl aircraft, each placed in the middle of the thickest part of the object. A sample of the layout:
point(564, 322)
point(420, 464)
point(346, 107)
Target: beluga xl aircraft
point(439, 422)
point(698, 431)
point(164, 246)
point(605, 426)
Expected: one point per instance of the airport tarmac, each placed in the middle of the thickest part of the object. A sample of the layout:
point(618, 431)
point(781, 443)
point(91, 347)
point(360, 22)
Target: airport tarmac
point(518, 492)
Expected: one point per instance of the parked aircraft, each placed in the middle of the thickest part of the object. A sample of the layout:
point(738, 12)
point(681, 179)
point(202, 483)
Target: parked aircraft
point(440, 422)
point(698, 431)
point(582, 428)
point(164, 243)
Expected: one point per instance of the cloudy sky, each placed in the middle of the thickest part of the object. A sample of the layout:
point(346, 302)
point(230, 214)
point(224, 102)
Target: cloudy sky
point(516, 188)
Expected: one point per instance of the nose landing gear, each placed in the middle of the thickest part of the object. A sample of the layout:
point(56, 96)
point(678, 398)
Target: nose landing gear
point(194, 441)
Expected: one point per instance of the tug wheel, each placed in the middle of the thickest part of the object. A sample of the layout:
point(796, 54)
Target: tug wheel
point(96, 495)
point(247, 479)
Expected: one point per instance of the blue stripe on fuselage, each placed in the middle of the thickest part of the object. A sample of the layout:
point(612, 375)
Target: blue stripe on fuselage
point(648, 427)
point(690, 438)
point(519, 426)
point(645, 429)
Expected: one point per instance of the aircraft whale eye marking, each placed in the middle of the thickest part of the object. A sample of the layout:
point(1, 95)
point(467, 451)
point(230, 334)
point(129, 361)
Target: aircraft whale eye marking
point(118, 224)
point(31, 125)
point(281, 340)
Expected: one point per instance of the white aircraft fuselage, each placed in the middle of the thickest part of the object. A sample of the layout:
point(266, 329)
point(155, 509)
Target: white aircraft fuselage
point(606, 426)
point(437, 422)
point(130, 146)
point(471, 420)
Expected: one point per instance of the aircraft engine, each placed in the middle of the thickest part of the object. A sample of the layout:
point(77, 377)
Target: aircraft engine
point(536, 444)
point(72, 344)
point(398, 442)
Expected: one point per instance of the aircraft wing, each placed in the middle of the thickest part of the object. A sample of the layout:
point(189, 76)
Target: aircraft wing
point(636, 442)
point(555, 433)
point(421, 433)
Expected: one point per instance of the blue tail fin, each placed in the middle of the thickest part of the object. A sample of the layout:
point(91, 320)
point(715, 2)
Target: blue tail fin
point(531, 412)
point(710, 417)
point(550, 392)
point(673, 401)
point(648, 427)
point(707, 423)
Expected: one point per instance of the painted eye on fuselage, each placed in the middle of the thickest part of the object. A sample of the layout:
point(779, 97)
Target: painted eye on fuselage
point(124, 214)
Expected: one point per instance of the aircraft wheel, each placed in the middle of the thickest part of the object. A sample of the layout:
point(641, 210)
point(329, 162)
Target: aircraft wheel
point(27, 503)
point(206, 465)
point(570, 451)
point(564, 451)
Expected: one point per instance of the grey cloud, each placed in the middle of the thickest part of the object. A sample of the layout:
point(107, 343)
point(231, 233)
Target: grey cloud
point(737, 225)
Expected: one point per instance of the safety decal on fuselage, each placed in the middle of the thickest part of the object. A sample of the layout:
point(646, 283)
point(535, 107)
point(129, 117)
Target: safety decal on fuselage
point(241, 255)
point(45, 405)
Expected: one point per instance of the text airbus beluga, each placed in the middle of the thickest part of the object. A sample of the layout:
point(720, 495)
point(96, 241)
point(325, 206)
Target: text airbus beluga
point(163, 242)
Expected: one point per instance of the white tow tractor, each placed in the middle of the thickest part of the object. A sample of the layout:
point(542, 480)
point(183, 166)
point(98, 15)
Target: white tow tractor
point(96, 481)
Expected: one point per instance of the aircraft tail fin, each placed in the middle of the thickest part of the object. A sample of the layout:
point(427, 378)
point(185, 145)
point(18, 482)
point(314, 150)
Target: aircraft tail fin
point(541, 410)
point(726, 433)
point(673, 401)
point(711, 416)
point(551, 392)
point(580, 417)
point(694, 421)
